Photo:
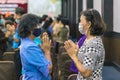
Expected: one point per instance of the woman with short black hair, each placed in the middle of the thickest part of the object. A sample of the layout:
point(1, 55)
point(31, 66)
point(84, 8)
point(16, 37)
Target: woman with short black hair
point(36, 65)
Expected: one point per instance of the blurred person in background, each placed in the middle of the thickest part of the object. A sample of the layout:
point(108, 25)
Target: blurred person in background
point(19, 11)
point(9, 25)
point(3, 43)
point(46, 27)
point(61, 32)
point(2, 21)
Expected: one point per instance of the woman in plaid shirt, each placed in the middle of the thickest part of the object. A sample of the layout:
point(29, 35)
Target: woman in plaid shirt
point(89, 58)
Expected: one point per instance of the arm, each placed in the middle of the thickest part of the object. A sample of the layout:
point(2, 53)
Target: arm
point(36, 57)
point(16, 37)
point(46, 48)
point(48, 57)
point(16, 40)
point(7, 34)
point(84, 71)
point(86, 67)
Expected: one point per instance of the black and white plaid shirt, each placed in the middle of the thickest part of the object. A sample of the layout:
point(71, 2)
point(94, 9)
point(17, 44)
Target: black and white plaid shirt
point(92, 56)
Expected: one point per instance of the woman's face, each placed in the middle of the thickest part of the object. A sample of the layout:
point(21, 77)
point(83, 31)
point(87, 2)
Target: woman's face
point(84, 22)
point(16, 16)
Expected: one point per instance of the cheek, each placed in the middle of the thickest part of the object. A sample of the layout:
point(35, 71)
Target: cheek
point(10, 29)
point(85, 26)
point(15, 16)
point(7, 28)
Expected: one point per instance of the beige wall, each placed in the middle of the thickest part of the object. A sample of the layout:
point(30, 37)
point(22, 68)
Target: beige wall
point(112, 49)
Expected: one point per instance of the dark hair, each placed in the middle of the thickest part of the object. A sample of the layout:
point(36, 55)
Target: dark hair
point(40, 20)
point(9, 22)
point(44, 17)
point(65, 21)
point(11, 17)
point(27, 24)
point(59, 18)
point(46, 24)
point(50, 19)
point(20, 11)
point(97, 24)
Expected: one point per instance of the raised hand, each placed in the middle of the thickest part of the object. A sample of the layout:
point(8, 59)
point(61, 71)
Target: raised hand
point(46, 43)
point(71, 48)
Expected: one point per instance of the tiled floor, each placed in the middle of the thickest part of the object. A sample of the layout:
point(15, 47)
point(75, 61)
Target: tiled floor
point(110, 73)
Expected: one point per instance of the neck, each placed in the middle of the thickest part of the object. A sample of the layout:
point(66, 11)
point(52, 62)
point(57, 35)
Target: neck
point(89, 37)
point(31, 37)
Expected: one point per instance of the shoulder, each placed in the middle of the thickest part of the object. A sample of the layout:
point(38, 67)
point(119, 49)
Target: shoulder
point(95, 47)
point(96, 42)
point(27, 43)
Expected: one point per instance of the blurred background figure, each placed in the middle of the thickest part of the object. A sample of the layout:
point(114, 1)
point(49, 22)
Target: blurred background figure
point(9, 25)
point(3, 43)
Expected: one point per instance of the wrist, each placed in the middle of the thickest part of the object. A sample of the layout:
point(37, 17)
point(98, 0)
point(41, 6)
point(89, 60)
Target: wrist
point(47, 52)
point(73, 56)
point(75, 59)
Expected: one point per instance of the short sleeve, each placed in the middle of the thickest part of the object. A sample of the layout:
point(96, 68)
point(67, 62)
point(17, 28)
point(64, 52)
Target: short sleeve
point(90, 58)
point(36, 58)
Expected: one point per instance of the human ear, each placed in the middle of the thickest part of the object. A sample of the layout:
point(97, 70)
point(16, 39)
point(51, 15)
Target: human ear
point(89, 23)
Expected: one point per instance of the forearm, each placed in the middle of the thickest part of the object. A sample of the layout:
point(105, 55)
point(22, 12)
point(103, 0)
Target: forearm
point(16, 40)
point(85, 72)
point(48, 57)
point(78, 64)
point(7, 35)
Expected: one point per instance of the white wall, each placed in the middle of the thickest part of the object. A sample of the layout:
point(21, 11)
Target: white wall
point(40, 7)
point(97, 4)
point(84, 4)
point(116, 16)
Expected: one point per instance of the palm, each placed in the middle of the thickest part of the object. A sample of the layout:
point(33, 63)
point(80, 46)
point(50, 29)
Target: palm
point(46, 42)
point(71, 48)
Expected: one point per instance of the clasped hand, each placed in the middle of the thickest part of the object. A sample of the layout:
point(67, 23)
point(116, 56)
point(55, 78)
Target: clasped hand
point(71, 48)
point(46, 43)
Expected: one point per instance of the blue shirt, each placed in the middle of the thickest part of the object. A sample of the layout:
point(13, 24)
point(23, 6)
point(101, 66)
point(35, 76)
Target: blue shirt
point(38, 41)
point(16, 44)
point(34, 63)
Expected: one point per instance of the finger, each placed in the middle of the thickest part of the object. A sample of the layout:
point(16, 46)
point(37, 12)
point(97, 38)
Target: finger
point(67, 44)
point(65, 48)
point(46, 39)
point(71, 42)
point(50, 42)
point(42, 36)
point(44, 33)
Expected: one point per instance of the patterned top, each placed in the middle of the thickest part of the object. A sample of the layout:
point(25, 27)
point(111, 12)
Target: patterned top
point(92, 56)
